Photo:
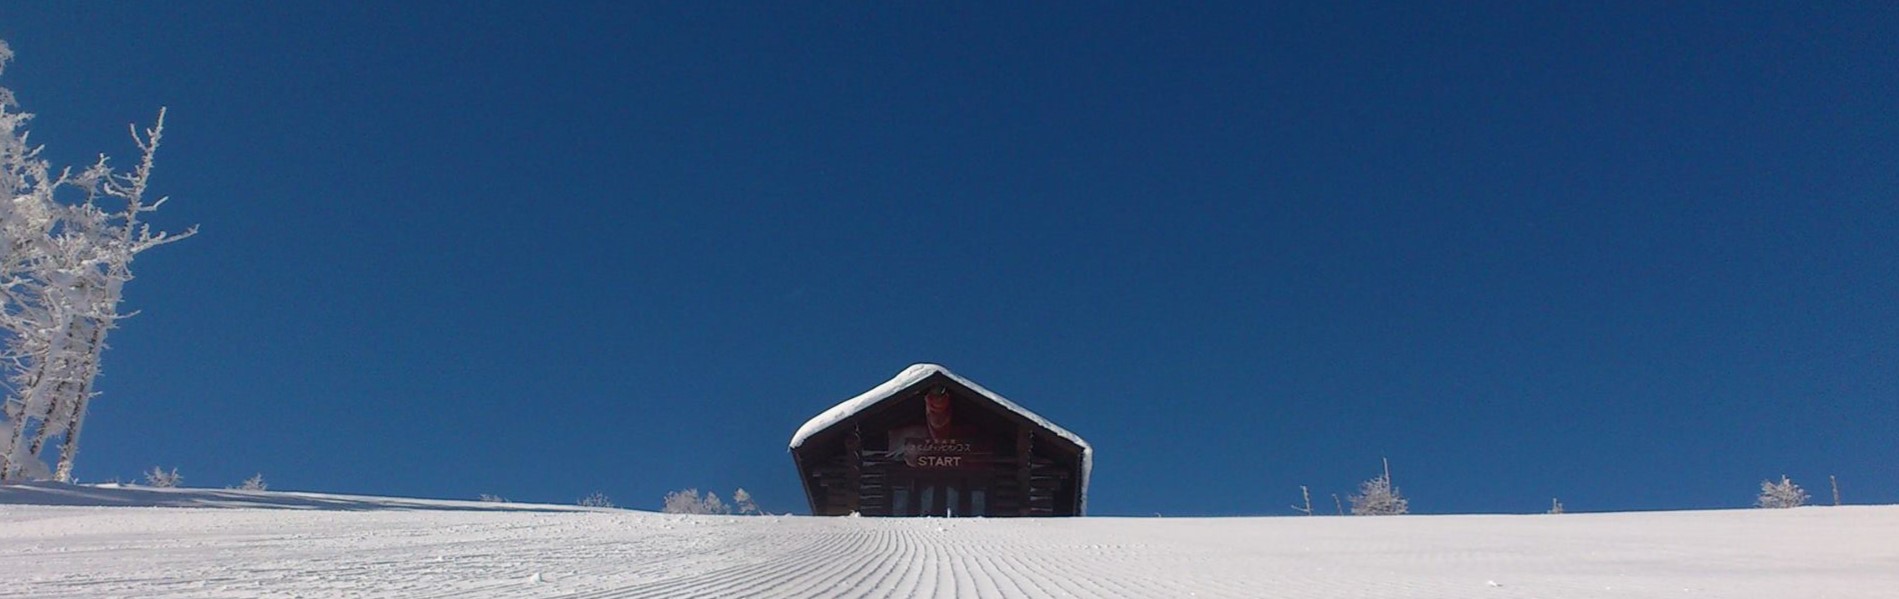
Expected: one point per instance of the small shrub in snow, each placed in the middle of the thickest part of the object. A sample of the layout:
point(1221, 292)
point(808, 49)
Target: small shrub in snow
point(597, 499)
point(1783, 494)
point(690, 502)
point(1377, 497)
point(713, 505)
point(742, 503)
point(162, 479)
point(1556, 507)
point(254, 483)
point(1307, 495)
point(493, 498)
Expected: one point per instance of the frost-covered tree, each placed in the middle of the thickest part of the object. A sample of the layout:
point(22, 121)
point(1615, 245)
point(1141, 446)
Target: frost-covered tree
point(1783, 494)
point(597, 499)
point(254, 483)
point(1377, 497)
point(64, 266)
point(162, 478)
point(690, 502)
point(27, 218)
point(681, 502)
point(742, 503)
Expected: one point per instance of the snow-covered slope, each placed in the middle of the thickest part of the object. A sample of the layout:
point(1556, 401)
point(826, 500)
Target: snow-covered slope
point(378, 547)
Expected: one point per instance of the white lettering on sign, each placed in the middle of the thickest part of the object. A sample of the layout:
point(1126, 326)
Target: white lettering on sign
point(940, 461)
point(938, 446)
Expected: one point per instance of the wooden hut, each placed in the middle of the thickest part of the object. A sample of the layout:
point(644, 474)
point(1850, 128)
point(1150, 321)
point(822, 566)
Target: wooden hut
point(931, 443)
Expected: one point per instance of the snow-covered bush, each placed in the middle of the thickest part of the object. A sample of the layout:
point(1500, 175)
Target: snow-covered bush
point(254, 483)
point(493, 498)
point(690, 502)
point(159, 477)
point(742, 503)
point(1377, 497)
point(597, 499)
point(1783, 494)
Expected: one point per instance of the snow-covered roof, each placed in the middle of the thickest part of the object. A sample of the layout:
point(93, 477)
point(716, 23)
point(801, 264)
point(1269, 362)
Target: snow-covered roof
point(917, 372)
point(903, 380)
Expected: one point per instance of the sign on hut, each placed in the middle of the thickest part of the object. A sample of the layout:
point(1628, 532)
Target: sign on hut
point(931, 443)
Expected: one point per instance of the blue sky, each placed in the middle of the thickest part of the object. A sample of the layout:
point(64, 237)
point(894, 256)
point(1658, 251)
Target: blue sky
point(1632, 256)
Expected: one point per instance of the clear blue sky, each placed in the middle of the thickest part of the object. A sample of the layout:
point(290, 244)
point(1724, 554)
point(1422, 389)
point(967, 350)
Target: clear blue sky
point(1632, 256)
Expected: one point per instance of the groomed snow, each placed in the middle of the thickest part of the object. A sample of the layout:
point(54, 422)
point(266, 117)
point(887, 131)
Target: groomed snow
point(379, 547)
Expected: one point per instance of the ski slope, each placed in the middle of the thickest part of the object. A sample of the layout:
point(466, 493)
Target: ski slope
point(64, 541)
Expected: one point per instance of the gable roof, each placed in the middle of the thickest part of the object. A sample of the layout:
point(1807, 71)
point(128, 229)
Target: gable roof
point(904, 380)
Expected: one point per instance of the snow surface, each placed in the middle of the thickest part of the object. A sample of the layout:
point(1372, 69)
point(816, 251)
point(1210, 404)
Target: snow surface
point(918, 372)
point(307, 544)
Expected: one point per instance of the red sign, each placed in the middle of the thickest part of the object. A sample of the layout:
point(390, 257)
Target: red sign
point(937, 442)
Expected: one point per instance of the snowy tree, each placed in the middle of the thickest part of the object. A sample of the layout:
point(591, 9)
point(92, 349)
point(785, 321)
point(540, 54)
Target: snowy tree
point(690, 502)
point(62, 272)
point(254, 483)
point(597, 499)
point(1783, 494)
point(743, 504)
point(27, 219)
point(1377, 497)
point(163, 479)
point(681, 502)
